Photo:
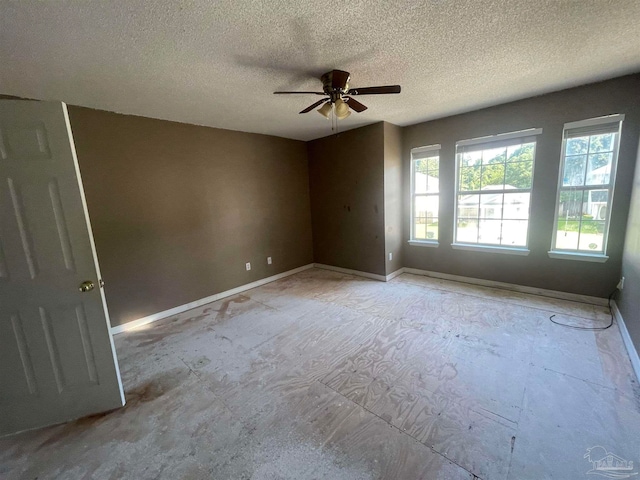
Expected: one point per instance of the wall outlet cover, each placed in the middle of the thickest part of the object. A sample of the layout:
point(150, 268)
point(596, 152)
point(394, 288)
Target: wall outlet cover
point(248, 265)
point(269, 261)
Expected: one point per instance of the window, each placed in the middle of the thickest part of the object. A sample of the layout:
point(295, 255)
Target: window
point(425, 194)
point(585, 187)
point(493, 191)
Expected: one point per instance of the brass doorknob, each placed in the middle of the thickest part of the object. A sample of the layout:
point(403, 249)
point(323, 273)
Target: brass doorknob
point(86, 286)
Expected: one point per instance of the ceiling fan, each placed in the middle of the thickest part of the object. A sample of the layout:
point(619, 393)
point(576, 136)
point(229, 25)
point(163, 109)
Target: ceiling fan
point(335, 85)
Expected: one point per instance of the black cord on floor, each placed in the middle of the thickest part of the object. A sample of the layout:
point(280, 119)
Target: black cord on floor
point(611, 295)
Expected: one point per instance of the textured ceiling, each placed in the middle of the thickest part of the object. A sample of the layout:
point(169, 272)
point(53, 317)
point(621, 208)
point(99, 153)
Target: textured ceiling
point(217, 62)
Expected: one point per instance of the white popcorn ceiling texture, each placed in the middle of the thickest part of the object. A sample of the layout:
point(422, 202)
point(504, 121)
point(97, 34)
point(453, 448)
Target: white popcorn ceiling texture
point(217, 63)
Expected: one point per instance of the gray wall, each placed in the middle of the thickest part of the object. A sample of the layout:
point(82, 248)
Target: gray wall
point(178, 209)
point(549, 112)
point(629, 297)
point(346, 178)
point(393, 197)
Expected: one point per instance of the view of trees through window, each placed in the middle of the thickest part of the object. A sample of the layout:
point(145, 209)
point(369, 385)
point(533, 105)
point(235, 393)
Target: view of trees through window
point(583, 202)
point(426, 195)
point(494, 190)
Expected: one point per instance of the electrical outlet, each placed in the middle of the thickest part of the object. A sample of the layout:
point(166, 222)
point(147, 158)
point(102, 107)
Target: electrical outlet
point(248, 265)
point(620, 284)
point(390, 255)
point(269, 261)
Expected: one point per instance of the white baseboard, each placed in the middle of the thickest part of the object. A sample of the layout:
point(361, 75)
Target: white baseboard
point(626, 338)
point(203, 301)
point(393, 275)
point(574, 297)
point(373, 276)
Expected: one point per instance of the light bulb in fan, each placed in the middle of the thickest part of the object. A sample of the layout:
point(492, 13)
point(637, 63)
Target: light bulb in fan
point(325, 110)
point(342, 109)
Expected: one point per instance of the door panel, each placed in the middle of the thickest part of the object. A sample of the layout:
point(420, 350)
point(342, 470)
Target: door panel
point(57, 359)
point(16, 362)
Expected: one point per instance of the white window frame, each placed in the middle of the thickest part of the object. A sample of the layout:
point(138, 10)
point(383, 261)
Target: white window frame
point(520, 136)
point(575, 254)
point(420, 242)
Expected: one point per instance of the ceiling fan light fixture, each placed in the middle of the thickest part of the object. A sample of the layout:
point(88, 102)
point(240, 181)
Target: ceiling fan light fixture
point(342, 109)
point(325, 110)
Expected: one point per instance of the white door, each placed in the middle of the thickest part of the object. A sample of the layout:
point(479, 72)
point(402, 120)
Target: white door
point(57, 359)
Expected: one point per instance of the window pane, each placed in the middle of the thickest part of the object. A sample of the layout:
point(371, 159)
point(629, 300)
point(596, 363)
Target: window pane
point(490, 231)
point(471, 158)
point(494, 155)
point(470, 178)
point(491, 205)
point(516, 206)
point(591, 235)
point(574, 170)
point(567, 234)
point(570, 205)
point(519, 175)
point(514, 233)
point(493, 176)
point(433, 183)
point(520, 153)
point(601, 143)
point(432, 229)
point(420, 182)
point(595, 205)
point(503, 171)
point(599, 169)
point(426, 217)
point(577, 145)
point(468, 206)
point(467, 231)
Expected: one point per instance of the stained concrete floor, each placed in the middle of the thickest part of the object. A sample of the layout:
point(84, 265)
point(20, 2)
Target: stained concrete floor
point(328, 376)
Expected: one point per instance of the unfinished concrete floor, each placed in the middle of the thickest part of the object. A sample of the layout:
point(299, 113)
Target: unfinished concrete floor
point(328, 376)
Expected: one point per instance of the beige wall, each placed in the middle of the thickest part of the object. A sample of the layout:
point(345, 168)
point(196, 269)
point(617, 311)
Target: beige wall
point(393, 197)
point(346, 177)
point(549, 112)
point(178, 209)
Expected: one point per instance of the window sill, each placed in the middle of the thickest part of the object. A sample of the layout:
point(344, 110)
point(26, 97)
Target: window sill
point(584, 257)
point(424, 243)
point(490, 249)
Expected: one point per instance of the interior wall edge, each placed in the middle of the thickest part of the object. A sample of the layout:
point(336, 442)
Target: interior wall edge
point(626, 339)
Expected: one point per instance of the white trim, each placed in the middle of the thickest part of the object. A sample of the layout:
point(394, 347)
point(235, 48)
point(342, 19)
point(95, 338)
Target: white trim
point(574, 297)
point(592, 122)
point(94, 252)
point(491, 249)
point(427, 148)
point(393, 275)
point(372, 276)
point(626, 339)
point(412, 180)
point(610, 187)
point(499, 137)
point(423, 243)
point(585, 257)
point(198, 303)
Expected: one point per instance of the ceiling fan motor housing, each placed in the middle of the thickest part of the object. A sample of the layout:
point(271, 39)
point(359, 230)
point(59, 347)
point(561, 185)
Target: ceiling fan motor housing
point(335, 83)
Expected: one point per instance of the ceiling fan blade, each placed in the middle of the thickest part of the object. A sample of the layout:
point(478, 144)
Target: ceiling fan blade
point(339, 79)
point(375, 90)
point(355, 105)
point(311, 107)
point(289, 93)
